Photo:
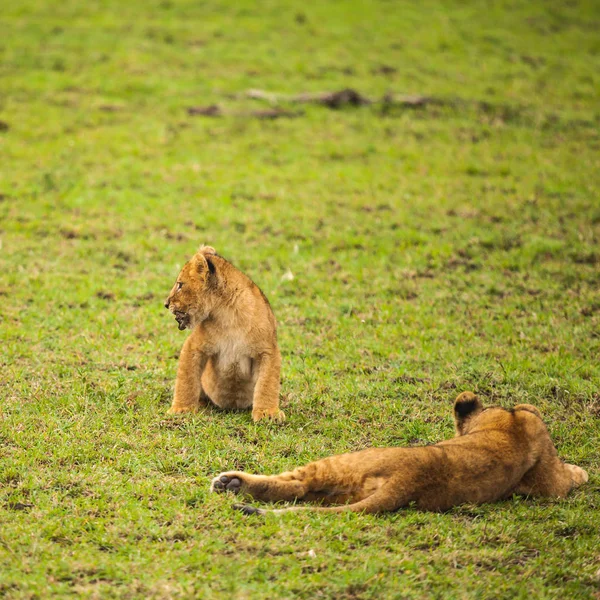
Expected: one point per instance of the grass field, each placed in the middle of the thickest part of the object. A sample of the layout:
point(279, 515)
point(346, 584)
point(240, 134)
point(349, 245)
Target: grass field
point(408, 254)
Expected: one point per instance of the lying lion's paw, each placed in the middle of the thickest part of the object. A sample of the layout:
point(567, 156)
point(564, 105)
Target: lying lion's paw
point(249, 510)
point(178, 410)
point(578, 475)
point(277, 416)
point(226, 482)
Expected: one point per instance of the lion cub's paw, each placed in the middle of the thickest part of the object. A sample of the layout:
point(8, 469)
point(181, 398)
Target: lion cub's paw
point(227, 482)
point(578, 475)
point(178, 410)
point(277, 416)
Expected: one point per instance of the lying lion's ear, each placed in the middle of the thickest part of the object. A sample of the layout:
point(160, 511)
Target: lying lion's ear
point(466, 406)
point(530, 408)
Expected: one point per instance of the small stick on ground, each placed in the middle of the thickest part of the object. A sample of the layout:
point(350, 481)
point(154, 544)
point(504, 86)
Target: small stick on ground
point(344, 97)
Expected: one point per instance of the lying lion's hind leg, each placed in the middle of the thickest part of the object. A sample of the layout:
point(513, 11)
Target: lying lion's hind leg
point(579, 476)
point(551, 478)
point(285, 487)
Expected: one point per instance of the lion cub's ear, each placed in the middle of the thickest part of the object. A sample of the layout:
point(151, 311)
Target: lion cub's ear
point(203, 261)
point(206, 250)
point(199, 263)
point(466, 406)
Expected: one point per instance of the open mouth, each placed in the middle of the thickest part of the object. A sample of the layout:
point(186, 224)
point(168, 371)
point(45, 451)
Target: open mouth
point(183, 320)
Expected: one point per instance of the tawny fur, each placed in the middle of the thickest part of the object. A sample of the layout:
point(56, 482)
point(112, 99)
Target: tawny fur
point(231, 358)
point(496, 453)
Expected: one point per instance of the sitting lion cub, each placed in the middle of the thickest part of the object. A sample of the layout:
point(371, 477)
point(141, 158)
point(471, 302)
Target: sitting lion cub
point(231, 357)
point(495, 453)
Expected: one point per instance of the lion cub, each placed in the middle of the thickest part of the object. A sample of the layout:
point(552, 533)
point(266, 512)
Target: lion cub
point(496, 453)
point(231, 358)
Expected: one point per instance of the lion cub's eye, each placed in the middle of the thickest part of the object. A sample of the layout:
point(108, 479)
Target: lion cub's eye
point(179, 285)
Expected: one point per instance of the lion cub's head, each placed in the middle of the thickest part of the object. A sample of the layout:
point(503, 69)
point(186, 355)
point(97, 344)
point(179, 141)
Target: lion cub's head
point(190, 299)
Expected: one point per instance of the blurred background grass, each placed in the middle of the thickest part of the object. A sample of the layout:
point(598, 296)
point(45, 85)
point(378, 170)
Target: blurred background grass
point(408, 254)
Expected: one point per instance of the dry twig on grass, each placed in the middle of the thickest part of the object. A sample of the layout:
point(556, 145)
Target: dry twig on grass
point(340, 98)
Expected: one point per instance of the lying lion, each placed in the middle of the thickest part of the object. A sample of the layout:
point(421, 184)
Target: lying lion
point(496, 453)
point(231, 358)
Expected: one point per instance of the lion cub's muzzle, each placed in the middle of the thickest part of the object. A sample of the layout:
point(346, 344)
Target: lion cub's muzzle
point(183, 320)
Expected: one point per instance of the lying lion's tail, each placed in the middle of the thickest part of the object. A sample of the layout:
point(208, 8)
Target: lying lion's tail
point(380, 501)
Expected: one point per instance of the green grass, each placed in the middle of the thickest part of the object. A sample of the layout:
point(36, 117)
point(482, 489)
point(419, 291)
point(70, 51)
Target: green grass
point(432, 250)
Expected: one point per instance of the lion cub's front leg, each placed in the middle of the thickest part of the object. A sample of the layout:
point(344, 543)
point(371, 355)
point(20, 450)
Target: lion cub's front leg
point(188, 387)
point(265, 403)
